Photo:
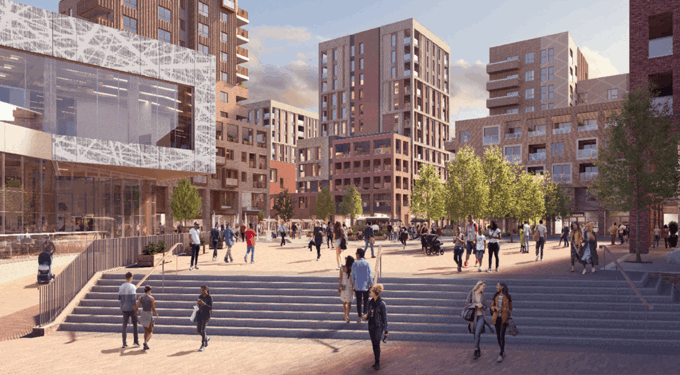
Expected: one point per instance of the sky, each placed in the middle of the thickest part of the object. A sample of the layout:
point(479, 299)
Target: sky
point(284, 39)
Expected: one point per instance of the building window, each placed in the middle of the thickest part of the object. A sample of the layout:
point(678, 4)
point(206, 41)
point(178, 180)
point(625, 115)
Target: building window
point(203, 9)
point(361, 94)
point(550, 73)
point(164, 14)
point(224, 37)
point(547, 92)
point(529, 76)
point(130, 3)
point(465, 137)
point(571, 57)
point(529, 58)
point(394, 57)
point(351, 51)
point(203, 29)
point(361, 63)
point(394, 72)
point(164, 36)
point(512, 111)
point(182, 43)
point(361, 79)
point(529, 109)
point(361, 48)
point(558, 149)
point(182, 25)
point(351, 66)
point(224, 114)
point(561, 173)
point(224, 96)
point(130, 24)
point(335, 84)
point(225, 56)
point(224, 17)
point(244, 176)
point(335, 55)
point(361, 109)
point(550, 105)
point(224, 76)
point(661, 35)
point(529, 94)
point(394, 40)
point(203, 48)
point(612, 94)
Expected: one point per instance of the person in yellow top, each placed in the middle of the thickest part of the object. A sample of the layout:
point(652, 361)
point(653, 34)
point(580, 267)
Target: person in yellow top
point(576, 240)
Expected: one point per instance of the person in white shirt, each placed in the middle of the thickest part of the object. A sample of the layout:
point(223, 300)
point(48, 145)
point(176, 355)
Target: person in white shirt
point(494, 245)
point(195, 246)
point(527, 234)
point(540, 244)
point(375, 227)
point(480, 246)
point(470, 239)
point(622, 231)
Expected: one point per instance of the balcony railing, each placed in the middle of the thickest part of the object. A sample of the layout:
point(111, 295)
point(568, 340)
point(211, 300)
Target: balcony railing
point(415, 42)
point(242, 35)
point(407, 73)
point(407, 57)
point(94, 8)
point(660, 102)
point(563, 130)
point(241, 73)
point(513, 158)
point(407, 41)
point(259, 185)
point(587, 153)
point(382, 150)
point(228, 4)
point(261, 145)
point(242, 55)
point(242, 17)
point(377, 169)
point(537, 156)
point(490, 140)
point(561, 177)
point(200, 179)
point(536, 133)
point(661, 47)
point(585, 128)
point(513, 135)
point(588, 176)
point(221, 160)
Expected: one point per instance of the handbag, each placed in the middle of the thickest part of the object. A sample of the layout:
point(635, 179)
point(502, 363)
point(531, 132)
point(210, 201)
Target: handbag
point(193, 314)
point(371, 240)
point(586, 254)
point(468, 313)
point(343, 244)
point(512, 328)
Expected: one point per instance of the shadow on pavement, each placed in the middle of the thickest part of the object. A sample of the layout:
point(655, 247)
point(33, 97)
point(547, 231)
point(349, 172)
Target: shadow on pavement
point(180, 354)
point(335, 349)
point(317, 271)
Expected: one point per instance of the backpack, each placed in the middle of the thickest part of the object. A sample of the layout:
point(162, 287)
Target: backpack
point(536, 235)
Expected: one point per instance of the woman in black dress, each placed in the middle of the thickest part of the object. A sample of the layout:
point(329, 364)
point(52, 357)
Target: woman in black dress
point(377, 321)
point(204, 303)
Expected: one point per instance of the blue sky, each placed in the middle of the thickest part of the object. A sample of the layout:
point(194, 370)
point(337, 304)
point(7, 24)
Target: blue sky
point(284, 38)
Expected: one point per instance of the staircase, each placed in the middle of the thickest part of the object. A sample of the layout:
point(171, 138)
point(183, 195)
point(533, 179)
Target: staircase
point(569, 312)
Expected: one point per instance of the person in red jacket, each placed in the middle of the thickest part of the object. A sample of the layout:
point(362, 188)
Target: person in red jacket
point(250, 238)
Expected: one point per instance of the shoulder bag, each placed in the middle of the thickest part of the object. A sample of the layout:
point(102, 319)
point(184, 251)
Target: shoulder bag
point(512, 328)
point(468, 313)
point(343, 244)
point(371, 240)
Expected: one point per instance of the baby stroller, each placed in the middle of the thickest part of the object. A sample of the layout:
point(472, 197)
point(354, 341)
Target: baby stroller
point(432, 245)
point(45, 263)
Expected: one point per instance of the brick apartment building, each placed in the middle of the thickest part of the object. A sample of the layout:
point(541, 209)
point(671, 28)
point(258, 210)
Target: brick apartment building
point(386, 84)
point(655, 56)
point(239, 189)
point(547, 116)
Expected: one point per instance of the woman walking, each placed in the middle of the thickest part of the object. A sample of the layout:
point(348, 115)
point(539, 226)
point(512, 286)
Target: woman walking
point(480, 247)
point(229, 242)
point(494, 244)
point(377, 321)
point(148, 304)
point(459, 248)
point(666, 235)
point(657, 236)
point(477, 300)
point(521, 239)
point(338, 235)
point(403, 236)
point(576, 242)
point(345, 287)
point(204, 303)
point(501, 308)
point(423, 235)
point(591, 240)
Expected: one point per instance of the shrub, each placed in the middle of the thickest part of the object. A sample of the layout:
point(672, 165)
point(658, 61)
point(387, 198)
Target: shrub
point(152, 248)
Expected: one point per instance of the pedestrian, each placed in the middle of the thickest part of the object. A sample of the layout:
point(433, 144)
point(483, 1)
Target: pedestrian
point(527, 234)
point(127, 295)
point(148, 304)
point(622, 233)
point(243, 232)
point(369, 238)
point(591, 240)
point(329, 234)
point(318, 240)
point(215, 238)
point(501, 308)
point(423, 238)
point(294, 228)
point(480, 246)
point(411, 232)
point(205, 305)
point(477, 300)
point(576, 241)
point(338, 236)
point(657, 236)
point(403, 236)
point(283, 231)
point(228, 242)
point(494, 244)
point(195, 246)
point(565, 236)
point(458, 248)
point(540, 244)
point(666, 235)
point(362, 280)
point(521, 239)
point(612, 232)
point(250, 244)
point(345, 287)
point(389, 232)
point(471, 238)
point(377, 322)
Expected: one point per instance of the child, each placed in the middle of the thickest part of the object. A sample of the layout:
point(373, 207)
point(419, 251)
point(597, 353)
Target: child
point(481, 245)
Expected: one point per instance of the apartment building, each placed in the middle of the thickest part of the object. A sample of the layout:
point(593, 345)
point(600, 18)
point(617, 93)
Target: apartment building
point(391, 79)
point(91, 130)
point(287, 125)
point(212, 27)
point(534, 75)
point(313, 173)
point(653, 57)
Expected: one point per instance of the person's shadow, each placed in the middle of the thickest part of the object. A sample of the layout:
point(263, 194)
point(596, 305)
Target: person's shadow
point(181, 354)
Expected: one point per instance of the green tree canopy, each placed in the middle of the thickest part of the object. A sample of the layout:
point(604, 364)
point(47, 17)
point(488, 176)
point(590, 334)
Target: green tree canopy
point(558, 200)
point(284, 204)
point(186, 202)
point(528, 189)
point(325, 207)
point(500, 176)
point(467, 190)
point(427, 200)
point(639, 165)
point(351, 204)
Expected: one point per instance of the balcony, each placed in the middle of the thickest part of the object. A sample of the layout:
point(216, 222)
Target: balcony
point(415, 42)
point(241, 93)
point(251, 164)
point(513, 135)
point(536, 133)
point(565, 178)
point(661, 47)
point(259, 185)
point(415, 59)
point(241, 74)
point(660, 103)
point(382, 150)
point(586, 128)
point(200, 179)
point(242, 36)
point(513, 158)
point(263, 166)
point(407, 41)
point(366, 169)
point(491, 140)
point(261, 144)
point(228, 4)
point(407, 73)
point(221, 160)
point(500, 84)
point(503, 101)
point(587, 153)
point(242, 55)
point(502, 66)
point(242, 17)
point(536, 156)
point(407, 57)
point(95, 8)
point(588, 176)
point(563, 130)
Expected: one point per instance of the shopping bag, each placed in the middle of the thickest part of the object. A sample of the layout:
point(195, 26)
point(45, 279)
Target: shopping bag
point(193, 314)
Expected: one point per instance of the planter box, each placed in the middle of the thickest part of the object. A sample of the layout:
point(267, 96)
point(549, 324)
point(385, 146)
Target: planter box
point(150, 260)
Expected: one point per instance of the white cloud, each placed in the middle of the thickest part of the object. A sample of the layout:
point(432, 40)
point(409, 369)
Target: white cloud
point(598, 65)
point(468, 88)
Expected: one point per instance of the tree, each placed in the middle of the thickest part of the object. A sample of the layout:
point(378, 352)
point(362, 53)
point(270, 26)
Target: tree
point(427, 200)
point(467, 191)
point(500, 177)
point(558, 201)
point(325, 207)
point(284, 204)
point(260, 216)
point(186, 202)
point(639, 165)
point(530, 197)
point(351, 204)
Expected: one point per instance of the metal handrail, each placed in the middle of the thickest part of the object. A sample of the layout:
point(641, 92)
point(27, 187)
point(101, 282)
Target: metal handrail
point(162, 260)
point(625, 275)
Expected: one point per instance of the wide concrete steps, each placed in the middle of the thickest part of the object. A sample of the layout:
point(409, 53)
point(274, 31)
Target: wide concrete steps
point(572, 312)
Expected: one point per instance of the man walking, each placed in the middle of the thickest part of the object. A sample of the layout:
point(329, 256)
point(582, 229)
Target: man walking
point(527, 232)
point(362, 280)
point(228, 242)
point(470, 238)
point(389, 232)
point(318, 240)
point(250, 243)
point(368, 234)
point(329, 234)
point(283, 230)
point(541, 239)
point(215, 238)
point(565, 236)
point(612, 231)
point(195, 246)
point(127, 295)
point(622, 232)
